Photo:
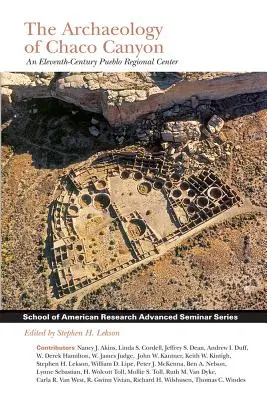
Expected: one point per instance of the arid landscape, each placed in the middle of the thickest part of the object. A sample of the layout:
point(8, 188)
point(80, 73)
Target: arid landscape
point(56, 125)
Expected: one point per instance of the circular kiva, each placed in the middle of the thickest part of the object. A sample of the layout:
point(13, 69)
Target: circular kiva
point(101, 201)
point(184, 186)
point(136, 228)
point(186, 201)
point(79, 247)
point(168, 185)
point(80, 257)
point(175, 176)
point(176, 193)
point(73, 210)
point(191, 193)
point(101, 184)
point(137, 175)
point(214, 193)
point(86, 199)
point(144, 188)
point(125, 174)
point(190, 209)
point(158, 185)
point(202, 201)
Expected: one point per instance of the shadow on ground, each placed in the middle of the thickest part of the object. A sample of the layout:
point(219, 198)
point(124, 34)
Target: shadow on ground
point(56, 133)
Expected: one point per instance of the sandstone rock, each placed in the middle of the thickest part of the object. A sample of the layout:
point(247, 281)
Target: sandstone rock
point(126, 93)
point(165, 145)
point(184, 130)
point(153, 90)
point(93, 131)
point(75, 79)
point(171, 150)
point(94, 121)
point(130, 99)
point(215, 124)
point(6, 96)
point(14, 79)
point(141, 94)
point(191, 148)
point(169, 126)
point(120, 139)
point(222, 137)
point(184, 156)
point(102, 96)
point(47, 75)
point(180, 137)
point(206, 134)
point(208, 157)
point(167, 136)
point(142, 135)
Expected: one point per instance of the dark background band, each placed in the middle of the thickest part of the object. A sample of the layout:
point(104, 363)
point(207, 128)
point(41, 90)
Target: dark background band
point(143, 316)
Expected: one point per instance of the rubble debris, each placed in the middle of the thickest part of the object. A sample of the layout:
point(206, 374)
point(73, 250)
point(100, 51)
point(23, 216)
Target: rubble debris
point(205, 133)
point(208, 157)
point(94, 121)
point(171, 150)
point(215, 124)
point(167, 136)
point(120, 139)
point(165, 145)
point(142, 136)
point(191, 147)
point(222, 137)
point(94, 131)
point(181, 131)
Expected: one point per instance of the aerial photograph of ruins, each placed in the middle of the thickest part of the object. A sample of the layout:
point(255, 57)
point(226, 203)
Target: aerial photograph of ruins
point(134, 190)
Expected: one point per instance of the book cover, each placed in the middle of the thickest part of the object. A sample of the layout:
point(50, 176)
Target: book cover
point(133, 201)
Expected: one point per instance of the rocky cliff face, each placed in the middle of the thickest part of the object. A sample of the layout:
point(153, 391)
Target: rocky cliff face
point(125, 97)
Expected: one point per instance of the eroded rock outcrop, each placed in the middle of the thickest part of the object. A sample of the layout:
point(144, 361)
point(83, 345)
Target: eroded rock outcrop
point(124, 97)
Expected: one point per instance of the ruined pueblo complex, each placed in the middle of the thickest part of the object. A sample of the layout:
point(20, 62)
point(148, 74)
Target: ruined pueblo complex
point(134, 190)
point(124, 209)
